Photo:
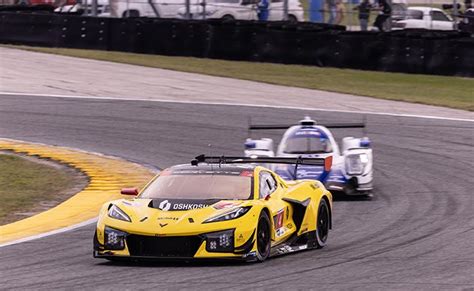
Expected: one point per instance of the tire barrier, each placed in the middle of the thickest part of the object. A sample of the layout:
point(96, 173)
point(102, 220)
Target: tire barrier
point(408, 51)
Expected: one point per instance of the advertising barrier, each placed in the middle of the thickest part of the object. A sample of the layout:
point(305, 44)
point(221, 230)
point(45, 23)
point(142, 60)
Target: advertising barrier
point(410, 51)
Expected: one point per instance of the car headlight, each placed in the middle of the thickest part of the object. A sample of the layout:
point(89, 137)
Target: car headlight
point(355, 164)
point(221, 241)
point(114, 239)
point(118, 213)
point(233, 214)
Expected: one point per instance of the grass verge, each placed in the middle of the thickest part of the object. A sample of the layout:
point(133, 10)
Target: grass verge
point(28, 187)
point(454, 92)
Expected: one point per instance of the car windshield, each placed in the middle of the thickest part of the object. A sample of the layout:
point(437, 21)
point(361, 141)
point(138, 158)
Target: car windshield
point(200, 186)
point(414, 14)
point(307, 145)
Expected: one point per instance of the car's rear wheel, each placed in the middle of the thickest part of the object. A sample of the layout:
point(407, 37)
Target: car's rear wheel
point(322, 224)
point(263, 237)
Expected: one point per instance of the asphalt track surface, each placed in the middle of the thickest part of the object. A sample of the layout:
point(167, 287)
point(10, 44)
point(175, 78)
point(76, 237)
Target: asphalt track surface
point(416, 233)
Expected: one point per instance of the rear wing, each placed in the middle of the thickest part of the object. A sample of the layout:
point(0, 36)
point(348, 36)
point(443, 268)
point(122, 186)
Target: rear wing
point(286, 126)
point(307, 121)
point(324, 162)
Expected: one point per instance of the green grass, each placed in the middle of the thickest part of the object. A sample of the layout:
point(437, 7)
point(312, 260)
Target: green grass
point(454, 92)
point(25, 183)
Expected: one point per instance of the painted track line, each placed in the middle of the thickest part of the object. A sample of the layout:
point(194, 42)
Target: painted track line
point(237, 105)
point(53, 232)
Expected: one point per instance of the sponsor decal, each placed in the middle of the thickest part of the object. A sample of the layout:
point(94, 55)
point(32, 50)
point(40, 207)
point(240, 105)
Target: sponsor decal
point(167, 218)
point(251, 254)
point(308, 133)
point(163, 224)
point(278, 223)
point(240, 238)
point(281, 231)
point(188, 206)
point(164, 205)
point(278, 218)
point(284, 249)
point(181, 204)
point(289, 226)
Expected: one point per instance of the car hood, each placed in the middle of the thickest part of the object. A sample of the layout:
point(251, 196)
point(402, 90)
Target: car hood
point(171, 216)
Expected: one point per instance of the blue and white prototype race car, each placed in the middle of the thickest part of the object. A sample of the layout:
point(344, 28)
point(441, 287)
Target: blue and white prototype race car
point(351, 171)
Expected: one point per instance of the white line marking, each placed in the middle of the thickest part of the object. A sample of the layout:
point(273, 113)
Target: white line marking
point(238, 104)
point(49, 233)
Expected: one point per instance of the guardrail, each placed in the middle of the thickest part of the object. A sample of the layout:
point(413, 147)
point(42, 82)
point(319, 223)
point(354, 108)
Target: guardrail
point(412, 51)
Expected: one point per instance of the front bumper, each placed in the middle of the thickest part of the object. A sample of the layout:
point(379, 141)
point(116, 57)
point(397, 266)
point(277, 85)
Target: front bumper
point(202, 246)
point(350, 187)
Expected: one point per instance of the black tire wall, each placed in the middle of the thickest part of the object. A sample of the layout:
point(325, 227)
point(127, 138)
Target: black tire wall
point(413, 51)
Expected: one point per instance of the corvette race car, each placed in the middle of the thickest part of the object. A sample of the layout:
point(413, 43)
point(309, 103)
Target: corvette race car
point(217, 208)
point(351, 172)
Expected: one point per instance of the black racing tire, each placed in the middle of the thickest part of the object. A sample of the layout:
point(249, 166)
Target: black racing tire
point(292, 19)
point(322, 224)
point(263, 237)
point(130, 14)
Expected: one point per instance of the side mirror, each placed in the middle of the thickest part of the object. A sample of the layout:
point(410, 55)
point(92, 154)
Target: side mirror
point(129, 191)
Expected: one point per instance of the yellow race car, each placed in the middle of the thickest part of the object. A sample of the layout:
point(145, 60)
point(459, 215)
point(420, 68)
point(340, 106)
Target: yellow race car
point(218, 208)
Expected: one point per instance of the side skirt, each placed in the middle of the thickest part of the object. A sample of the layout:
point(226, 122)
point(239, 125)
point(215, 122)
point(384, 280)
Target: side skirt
point(295, 244)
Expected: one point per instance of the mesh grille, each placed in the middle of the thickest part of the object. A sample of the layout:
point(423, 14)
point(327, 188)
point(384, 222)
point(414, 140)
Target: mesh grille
point(168, 247)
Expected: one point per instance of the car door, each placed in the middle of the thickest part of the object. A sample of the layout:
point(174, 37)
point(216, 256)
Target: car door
point(275, 10)
point(271, 192)
point(169, 8)
point(441, 21)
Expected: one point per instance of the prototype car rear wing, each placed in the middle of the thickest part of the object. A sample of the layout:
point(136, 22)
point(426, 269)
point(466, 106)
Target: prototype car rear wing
point(324, 162)
point(286, 126)
point(307, 121)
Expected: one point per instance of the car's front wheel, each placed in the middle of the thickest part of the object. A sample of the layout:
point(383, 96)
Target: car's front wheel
point(263, 237)
point(322, 224)
point(228, 18)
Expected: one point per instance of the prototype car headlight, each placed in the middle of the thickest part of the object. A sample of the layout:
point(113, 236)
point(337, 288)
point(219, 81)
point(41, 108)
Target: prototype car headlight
point(114, 239)
point(117, 213)
point(233, 214)
point(355, 164)
point(221, 241)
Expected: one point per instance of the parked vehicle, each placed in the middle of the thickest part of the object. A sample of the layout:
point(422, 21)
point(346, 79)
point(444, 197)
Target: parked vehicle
point(221, 9)
point(425, 18)
point(243, 10)
point(103, 8)
point(295, 10)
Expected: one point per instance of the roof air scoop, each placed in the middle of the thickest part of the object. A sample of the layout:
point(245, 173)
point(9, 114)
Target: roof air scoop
point(307, 121)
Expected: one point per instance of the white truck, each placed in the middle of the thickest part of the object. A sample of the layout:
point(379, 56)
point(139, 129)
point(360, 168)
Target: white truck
point(424, 18)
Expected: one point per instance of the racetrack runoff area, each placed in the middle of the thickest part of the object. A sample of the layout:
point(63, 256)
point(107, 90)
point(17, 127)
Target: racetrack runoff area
point(31, 72)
